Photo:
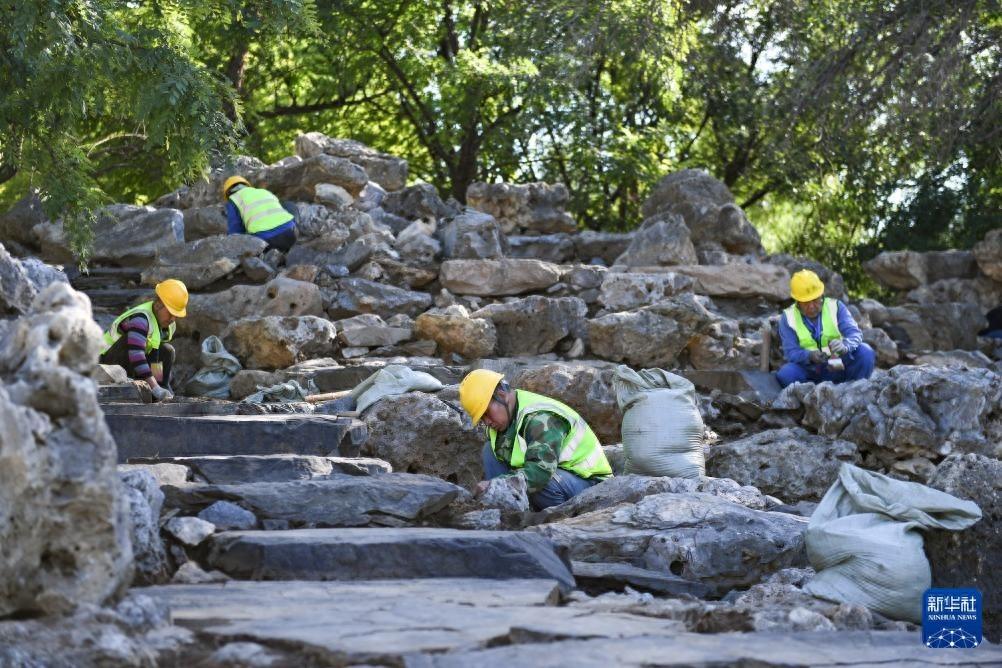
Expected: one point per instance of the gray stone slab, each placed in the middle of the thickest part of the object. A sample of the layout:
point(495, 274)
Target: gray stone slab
point(122, 392)
point(177, 408)
point(599, 577)
point(385, 553)
point(166, 436)
point(340, 501)
point(335, 379)
point(235, 469)
point(760, 383)
point(895, 649)
point(380, 622)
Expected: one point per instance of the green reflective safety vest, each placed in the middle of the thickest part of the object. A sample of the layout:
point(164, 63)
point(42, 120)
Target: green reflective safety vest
point(829, 325)
point(259, 209)
point(153, 337)
point(580, 453)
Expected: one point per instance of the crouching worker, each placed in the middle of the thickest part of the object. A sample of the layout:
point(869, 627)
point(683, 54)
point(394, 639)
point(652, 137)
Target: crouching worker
point(137, 339)
point(533, 436)
point(257, 211)
point(821, 340)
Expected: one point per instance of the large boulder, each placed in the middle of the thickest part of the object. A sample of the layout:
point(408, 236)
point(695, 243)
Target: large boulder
point(417, 244)
point(534, 325)
point(388, 171)
point(204, 221)
point(988, 253)
point(203, 262)
point(22, 280)
point(145, 500)
point(883, 345)
point(417, 202)
point(949, 326)
point(708, 208)
point(585, 388)
point(625, 291)
point(534, 208)
point(907, 412)
point(274, 342)
point(495, 278)
point(740, 280)
point(473, 236)
point(63, 525)
point(982, 291)
point(124, 235)
point(18, 222)
point(697, 536)
point(370, 331)
point(727, 344)
point(652, 336)
point(969, 558)
point(899, 270)
point(298, 179)
point(354, 296)
point(418, 433)
point(210, 314)
point(661, 240)
point(455, 331)
point(791, 464)
point(315, 221)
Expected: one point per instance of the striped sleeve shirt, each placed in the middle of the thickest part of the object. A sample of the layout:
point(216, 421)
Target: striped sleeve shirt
point(136, 330)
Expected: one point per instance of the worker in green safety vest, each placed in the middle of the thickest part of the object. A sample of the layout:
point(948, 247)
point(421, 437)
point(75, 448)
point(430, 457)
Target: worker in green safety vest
point(137, 339)
point(257, 211)
point(533, 436)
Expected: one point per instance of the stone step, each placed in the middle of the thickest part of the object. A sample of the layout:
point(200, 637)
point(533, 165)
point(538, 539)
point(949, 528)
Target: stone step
point(391, 499)
point(233, 469)
point(139, 435)
point(336, 378)
point(179, 407)
point(386, 553)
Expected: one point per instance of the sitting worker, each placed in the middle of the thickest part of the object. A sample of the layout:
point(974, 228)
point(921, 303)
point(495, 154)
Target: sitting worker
point(541, 439)
point(821, 341)
point(137, 339)
point(256, 211)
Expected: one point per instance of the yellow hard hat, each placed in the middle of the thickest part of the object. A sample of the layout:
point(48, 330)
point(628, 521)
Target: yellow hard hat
point(805, 286)
point(476, 390)
point(232, 181)
point(174, 296)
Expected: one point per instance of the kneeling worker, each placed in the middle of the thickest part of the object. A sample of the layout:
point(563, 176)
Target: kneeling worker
point(137, 339)
point(821, 340)
point(257, 211)
point(539, 438)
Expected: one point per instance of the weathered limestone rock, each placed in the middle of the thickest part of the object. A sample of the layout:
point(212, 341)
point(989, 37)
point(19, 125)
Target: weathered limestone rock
point(386, 553)
point(536, 208)
point(354, 296)
point(145, 500)
point(204, 221)
point(652, 336)
point(22, 280)
point(369, 330)
point(791, 464)
point(235, 469)
point(740, 280)
point(602, 246)
point(453, 330)
point(900, 270)
point(507, 494)
point(695, 535)
point(388, 171)
point(417, 202)
point(124, 235)
point(955, 359)
point(969, 558)
point(708, 208)
point(163, 473)
point(661, 240)
point(556, 248)
point(495, 278)
point(274, 342)
point(225, 515)
point(297, 180)
point(18, 222)
point(473, 235)
point(316, 221)
point(64, 526)
point(907, 412)
point(418, 433)
point(949, 326)
point(200, 263)
point(416, 244)
point(213, 313)
point(586, 389)
point(982, 291)
point(339, 500)
point(190, 530)
point(534, 325)
point(905, 326)
point(625, 291)
point(726, 345)
point(883, 345)
point(988, 253)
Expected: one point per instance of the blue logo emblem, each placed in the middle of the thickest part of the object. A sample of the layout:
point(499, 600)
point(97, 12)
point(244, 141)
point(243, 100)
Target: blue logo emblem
point(951, 618)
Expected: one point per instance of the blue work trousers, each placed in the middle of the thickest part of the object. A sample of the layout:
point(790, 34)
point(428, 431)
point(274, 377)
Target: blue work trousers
point(858, 365)
point(562, 486)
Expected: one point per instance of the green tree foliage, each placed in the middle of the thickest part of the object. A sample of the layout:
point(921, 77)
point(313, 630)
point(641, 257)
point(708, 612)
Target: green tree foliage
point(107, 93)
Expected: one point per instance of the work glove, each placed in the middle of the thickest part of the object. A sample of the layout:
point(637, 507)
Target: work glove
point(838, 347)
point(818, 357)
point(161, 393)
